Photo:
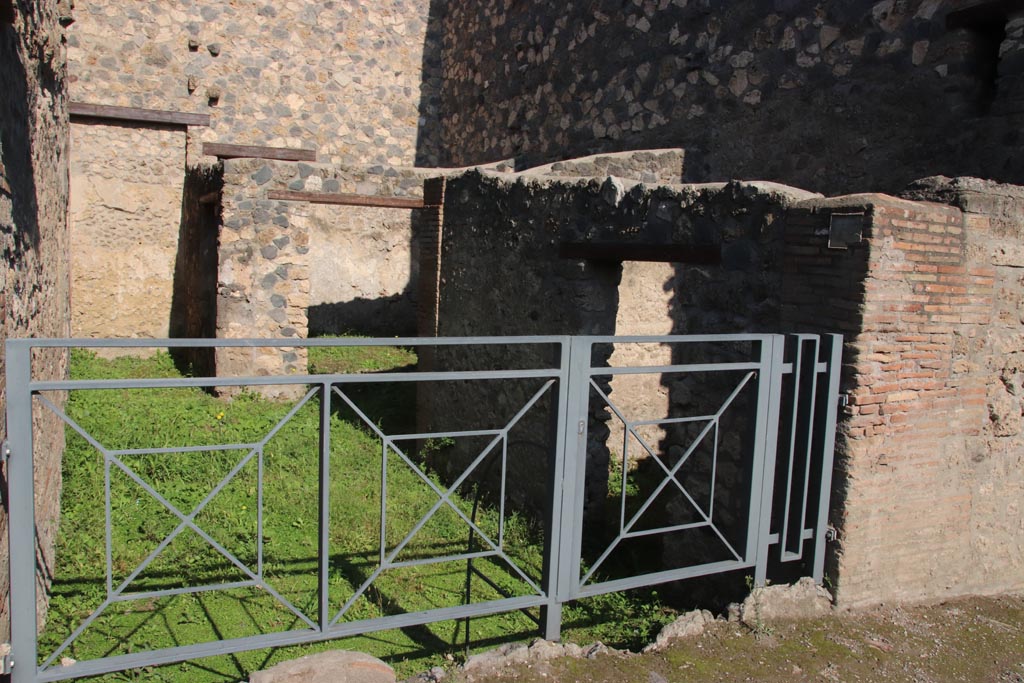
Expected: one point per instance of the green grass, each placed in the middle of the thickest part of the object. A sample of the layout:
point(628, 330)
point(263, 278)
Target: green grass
point(165, 418)
point(346, 359)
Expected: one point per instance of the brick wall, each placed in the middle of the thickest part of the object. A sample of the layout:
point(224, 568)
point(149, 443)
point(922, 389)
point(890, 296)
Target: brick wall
point(429, 238)
point(918, 475)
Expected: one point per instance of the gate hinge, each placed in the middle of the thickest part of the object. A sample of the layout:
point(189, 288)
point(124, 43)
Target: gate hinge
point(831, 534)
point(844, 400)
point(6, 659)
point(5, 451)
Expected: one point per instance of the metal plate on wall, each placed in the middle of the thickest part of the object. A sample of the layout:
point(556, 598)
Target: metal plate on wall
point(845, 229)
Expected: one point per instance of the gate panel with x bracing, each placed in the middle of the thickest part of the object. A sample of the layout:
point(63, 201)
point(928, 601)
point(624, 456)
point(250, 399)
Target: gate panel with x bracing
point(735, 459)
point(730, 444)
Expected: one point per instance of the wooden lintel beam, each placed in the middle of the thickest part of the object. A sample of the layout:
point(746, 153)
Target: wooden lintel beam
point(226, 151)
point(631, 251)
point(347, 199)
point(137, 114)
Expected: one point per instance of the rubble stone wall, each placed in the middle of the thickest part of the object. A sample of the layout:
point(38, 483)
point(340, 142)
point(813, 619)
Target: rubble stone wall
point(357, 82)
point(500, 273)
point(930, 466)
point(346, 78)
point(653, 166)
point(33, 229)
point(286, 265)
point(833, 97)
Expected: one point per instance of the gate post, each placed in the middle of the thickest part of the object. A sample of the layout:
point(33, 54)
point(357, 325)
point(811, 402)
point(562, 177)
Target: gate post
point(562, 539)
point(557, 534)
point(21, 511)
point(769, 400)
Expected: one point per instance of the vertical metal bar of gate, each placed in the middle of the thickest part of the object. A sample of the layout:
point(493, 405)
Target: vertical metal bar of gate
point(551, 614)
point(22, 511)
point(574, 480)
point(324, 616)
point(769, 398)
point(828, 455)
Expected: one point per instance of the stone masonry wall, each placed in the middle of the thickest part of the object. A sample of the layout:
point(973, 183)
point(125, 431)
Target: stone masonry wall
point(653, 166)
point(356, 82)
point(126, 208)
point(33, 229)
point(275, 256)
point(930, 452)
point(929, 476)
point(344, 77)
point(836, 97)
point(500, 273)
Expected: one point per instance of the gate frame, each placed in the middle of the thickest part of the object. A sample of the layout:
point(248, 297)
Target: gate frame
point(560, 577)
point(770, 369)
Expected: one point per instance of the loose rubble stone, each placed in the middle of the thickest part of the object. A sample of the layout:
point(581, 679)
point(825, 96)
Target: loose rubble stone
point(688, 625)
point(801, 600)
point(480, 667)
point(336, 666)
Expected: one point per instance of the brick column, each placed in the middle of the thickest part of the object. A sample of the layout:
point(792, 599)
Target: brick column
point(914, 307)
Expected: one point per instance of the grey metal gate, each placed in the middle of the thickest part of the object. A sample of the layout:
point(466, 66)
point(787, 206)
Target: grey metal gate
point(780, 391)
point(795, 377)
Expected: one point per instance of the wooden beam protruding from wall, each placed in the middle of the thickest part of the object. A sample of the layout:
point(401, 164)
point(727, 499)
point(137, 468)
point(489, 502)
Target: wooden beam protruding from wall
point(80, 110)
point(227, 151)
point(347, 199)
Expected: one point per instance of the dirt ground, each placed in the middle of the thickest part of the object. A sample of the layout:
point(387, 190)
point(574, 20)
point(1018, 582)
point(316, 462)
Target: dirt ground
point(973, 640)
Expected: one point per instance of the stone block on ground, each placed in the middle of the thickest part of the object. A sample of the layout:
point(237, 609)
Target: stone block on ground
point(801, 600)
point(336, 666)
point(493, 662)
point(688, 625)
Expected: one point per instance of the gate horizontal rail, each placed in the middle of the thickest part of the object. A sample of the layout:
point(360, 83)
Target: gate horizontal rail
point(803, 475)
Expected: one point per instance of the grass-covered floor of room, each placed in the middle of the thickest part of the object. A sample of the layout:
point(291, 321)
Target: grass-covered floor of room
point(154, 419)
